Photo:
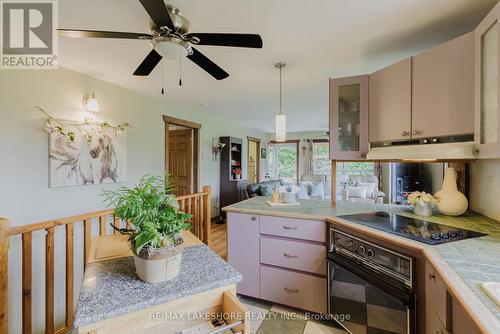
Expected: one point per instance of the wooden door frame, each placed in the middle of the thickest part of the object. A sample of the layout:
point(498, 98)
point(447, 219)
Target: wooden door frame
point(257, 162)
point(297, 144)
point(196, 145)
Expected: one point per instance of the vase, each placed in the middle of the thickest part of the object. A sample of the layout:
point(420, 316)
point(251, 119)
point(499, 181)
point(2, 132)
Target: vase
point(450, 201)
point(159, 267)
point(423, 209)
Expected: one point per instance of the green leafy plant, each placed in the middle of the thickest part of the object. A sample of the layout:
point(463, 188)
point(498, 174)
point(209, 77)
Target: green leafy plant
point(153, 212)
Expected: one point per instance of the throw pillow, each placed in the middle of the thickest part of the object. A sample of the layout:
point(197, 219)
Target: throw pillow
point(327, 186)
point(356, 192)
point(302, 193)
point(370, 187)
point(265, 190)
point(317, 190)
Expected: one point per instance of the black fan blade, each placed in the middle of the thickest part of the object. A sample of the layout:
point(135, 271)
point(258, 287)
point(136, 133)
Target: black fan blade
point(148, 64)
point(236, 40)
point(101, 34)
point(158, 13)
point(202, 61)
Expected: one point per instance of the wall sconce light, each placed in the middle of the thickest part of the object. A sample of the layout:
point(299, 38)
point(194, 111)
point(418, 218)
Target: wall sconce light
point(90, 103)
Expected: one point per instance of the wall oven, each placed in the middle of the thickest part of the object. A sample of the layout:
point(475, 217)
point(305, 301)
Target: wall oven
point(370, 288)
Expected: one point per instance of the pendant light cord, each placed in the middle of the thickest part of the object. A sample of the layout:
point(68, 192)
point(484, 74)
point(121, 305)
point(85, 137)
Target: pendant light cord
point(163, 76)
point(180, 68)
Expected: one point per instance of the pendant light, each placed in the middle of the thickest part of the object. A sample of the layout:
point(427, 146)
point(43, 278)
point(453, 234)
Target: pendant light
point(280, 117)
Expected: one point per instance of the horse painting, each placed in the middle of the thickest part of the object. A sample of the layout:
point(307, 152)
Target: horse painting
point(100, 160)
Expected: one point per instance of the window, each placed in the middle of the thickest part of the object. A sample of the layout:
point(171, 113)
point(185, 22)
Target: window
point(283, 161)
point(321, 164)
point(344, 169)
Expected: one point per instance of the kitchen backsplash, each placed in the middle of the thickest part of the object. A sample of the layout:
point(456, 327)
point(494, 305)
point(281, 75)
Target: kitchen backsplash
point(485, 187)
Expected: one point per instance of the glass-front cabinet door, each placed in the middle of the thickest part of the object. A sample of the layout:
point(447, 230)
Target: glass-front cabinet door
point(487, 118)
point(349, 118)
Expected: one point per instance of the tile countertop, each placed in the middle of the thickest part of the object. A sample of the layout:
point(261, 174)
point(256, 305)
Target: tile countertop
point(465, 264)
point(111, 288)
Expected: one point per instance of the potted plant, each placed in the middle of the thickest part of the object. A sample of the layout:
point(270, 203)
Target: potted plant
point(421, 202)
point(155, 226)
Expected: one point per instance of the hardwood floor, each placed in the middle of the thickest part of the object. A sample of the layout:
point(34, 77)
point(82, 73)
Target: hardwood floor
point(219, 239)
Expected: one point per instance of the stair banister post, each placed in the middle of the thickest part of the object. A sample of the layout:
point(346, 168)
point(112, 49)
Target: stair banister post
point(4, 264)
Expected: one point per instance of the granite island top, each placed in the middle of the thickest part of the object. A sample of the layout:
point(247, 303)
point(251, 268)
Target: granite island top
point(111, 288)
point(465, 263)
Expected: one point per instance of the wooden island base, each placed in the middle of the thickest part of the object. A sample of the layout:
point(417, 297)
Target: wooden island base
point(184, 313)
point(175, 315)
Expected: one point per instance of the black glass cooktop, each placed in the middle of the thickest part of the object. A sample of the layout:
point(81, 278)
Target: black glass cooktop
point(412, 228)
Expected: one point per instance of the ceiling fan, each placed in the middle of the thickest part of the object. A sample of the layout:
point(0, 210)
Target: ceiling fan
point(171, 35)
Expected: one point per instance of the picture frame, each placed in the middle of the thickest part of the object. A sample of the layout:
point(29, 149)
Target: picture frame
point(263, 153)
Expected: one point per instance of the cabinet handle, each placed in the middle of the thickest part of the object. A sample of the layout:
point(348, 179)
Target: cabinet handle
point(432, 276)
point(290, 256)
point(253, 218)
point(405, 133)
point(289, 227)
point(417, 132)
point(291, 290)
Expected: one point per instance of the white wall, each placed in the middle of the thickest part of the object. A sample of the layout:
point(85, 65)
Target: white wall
point(485, 198)
point(24, 193)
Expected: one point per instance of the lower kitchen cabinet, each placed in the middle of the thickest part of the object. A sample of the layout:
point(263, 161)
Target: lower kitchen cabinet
point(462, 323)
point(282, 260)
point(434, 324)
point(243, 251)
point(295, 289)
point(444, 313)
point(438, 300)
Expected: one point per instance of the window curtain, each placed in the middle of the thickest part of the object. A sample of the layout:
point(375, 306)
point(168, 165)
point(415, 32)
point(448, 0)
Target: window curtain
point(310, 156)
point(377, 171)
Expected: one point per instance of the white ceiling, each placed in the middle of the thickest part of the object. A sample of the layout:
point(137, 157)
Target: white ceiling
point(317, 39)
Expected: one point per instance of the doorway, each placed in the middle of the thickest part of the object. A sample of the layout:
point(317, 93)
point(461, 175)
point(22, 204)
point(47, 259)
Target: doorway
point(181, 154)
point(253, 160)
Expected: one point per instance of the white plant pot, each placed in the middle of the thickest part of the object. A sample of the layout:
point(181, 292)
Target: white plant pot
point(424, 209)
point(450, 201)
point(160, 267)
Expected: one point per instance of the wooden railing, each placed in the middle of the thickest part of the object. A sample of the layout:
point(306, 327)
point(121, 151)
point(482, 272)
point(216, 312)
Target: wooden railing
point(199, 205)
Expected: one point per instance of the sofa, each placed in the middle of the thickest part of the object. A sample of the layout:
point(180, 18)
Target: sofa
point(254, 188)
point(315, 186)
point(375, 196)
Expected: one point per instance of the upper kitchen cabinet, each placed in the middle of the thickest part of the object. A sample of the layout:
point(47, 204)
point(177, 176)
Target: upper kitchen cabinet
point(390, 102)
point(349, 118)
point(487, 120)
point(443, 90)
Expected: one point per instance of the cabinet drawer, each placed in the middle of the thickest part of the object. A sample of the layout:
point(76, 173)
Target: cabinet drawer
point(437, 297)
point(293, 289)
point(293, 228)
point(293, 254)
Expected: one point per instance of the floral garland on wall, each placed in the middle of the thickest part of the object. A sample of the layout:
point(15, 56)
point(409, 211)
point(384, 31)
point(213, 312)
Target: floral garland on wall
point(89, 127)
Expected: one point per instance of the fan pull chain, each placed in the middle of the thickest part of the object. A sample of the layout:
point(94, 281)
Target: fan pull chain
point(163, 77)
point(180, 67)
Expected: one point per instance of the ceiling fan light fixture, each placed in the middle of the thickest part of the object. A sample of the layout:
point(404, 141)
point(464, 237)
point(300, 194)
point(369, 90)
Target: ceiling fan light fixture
point(280, 117)
point(172, 48)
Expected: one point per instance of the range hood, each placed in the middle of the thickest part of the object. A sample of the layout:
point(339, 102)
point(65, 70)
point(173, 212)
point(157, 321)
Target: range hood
point(424, 152)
